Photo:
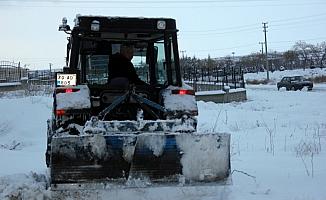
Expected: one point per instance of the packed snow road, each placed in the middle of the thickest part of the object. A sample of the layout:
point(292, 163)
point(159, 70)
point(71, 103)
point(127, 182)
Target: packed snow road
point(278, 140)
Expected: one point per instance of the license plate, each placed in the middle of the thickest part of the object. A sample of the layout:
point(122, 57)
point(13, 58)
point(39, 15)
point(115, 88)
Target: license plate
point(66, 79)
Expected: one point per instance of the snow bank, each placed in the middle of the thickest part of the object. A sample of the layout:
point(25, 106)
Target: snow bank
point(24, 186)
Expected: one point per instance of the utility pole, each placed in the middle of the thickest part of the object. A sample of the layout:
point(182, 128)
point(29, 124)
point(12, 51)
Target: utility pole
point(267, 67)
point(262, 47)
point(183, 53)
point(262, 54)
point(50, 74)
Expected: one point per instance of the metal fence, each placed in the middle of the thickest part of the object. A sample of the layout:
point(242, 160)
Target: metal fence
point(41, 77)
point(200, 79)
point(14, 77)
point(12, 72)
point(216, 79)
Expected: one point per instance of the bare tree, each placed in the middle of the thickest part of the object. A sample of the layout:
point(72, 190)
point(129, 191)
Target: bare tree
point(322, 47)
point(304, 51)
point(290, 58)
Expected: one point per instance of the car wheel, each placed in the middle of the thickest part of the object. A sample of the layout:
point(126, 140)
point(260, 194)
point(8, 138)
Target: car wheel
point(287, 88)
point(278, 88)
point(293, 88)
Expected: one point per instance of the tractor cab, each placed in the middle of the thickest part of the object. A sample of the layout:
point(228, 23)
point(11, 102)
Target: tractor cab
point(92, 44)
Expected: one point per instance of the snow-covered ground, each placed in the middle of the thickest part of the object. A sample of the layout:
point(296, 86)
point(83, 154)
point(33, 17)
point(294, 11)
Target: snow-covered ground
point(278, 141)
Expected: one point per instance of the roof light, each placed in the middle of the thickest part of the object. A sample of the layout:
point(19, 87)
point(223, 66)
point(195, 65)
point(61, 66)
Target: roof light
point(95, 26)
point(161, 25)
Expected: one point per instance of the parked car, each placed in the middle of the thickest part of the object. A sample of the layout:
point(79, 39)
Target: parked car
point(294, 83)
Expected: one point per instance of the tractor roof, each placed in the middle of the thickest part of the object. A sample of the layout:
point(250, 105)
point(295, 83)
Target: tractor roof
point(125, 24)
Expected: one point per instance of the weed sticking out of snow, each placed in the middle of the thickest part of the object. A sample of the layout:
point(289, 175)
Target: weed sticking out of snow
point(307, 150)
point(14, 145)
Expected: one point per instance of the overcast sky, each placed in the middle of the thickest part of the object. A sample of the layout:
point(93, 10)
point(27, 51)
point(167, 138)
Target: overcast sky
point(29, 28)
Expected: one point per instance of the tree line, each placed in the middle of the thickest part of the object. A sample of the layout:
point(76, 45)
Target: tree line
point(302, 55)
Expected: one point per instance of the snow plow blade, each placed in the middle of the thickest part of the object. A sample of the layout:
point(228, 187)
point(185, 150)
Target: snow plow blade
point(157, 156)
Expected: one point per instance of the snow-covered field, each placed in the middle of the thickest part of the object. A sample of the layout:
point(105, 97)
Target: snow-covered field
point(278, 141)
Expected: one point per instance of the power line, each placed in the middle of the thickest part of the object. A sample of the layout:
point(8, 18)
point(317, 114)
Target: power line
point(227, 28)
point(221, 49)
point(140, 1)
point(298, 18)
point(309, 39)
point(209, 3)
point(250, 27)
point(302, 22)
point(219, 33)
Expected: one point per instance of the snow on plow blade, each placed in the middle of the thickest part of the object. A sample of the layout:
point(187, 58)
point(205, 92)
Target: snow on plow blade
point(158, 156)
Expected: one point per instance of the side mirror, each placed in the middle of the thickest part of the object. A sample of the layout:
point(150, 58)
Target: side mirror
point(64, 26)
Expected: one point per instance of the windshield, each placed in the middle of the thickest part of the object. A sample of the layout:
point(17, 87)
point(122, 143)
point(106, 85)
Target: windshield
point(297, 78)
point(149, 61)
point(96, 69)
